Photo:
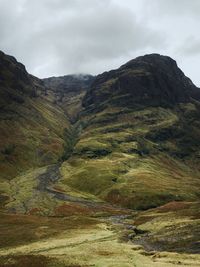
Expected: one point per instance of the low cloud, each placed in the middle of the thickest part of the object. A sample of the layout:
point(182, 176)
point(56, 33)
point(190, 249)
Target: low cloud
point(57, 37)
point(191, 47)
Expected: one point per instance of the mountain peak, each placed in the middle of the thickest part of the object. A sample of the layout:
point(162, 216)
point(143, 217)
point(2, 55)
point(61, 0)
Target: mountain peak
point(153, 80)
point(152, 59)
point(157, 63)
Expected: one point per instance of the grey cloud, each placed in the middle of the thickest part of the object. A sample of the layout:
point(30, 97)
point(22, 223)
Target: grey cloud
point(191, 47)
point(57, 37)
point(179, 21)
point(174, 7)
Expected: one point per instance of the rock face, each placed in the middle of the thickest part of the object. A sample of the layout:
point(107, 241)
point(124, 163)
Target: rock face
point(68, 92)
point(152, 80)
point(69, 83)
point(15, 82)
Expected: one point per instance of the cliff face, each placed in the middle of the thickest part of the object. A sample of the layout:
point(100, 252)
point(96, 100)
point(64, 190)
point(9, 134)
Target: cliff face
point(69, 83)
point(15, 83)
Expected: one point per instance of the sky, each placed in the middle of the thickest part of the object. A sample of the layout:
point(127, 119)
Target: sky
point(59, 37)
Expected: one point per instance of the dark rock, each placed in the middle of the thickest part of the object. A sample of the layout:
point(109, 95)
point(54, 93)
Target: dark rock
point(131, 236)
point(69, 83)
point(15, 82)
point(152, 80)
point(130, 227)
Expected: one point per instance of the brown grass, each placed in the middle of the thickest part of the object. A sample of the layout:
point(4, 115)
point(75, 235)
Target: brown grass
point(24, 261)
point(72, 209)
point(22, 229)
point(174, 206)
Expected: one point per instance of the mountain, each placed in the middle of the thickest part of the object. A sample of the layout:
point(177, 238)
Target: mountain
point(140, 144)
point(99, 160)
point(149, 80)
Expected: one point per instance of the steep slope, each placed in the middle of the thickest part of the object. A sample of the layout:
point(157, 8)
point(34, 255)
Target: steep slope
point(140, 143)
point(152, 80)
point(31, 126)
point(36, 135)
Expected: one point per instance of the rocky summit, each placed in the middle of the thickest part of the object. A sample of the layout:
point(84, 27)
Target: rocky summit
point(152, 80)
point(94, 169)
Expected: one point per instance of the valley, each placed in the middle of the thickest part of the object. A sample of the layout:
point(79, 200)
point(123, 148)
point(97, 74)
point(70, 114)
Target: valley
point(100, 171)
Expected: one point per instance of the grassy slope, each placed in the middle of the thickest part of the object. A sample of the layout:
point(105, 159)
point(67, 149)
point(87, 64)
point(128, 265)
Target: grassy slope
point(172, 227)
point(138, 158)
point(32, 130)
point(31, 136)
point(31, 124)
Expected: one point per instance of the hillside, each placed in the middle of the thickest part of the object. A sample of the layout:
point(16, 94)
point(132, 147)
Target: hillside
point(94, 169)
point(140, 144)
point(31, 126)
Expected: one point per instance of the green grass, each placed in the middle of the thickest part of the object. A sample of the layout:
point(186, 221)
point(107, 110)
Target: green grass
point(31, 136)
point(118, 160)
point(172, 227)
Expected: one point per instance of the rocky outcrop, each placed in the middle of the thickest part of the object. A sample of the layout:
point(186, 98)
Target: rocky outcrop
point(69, 83)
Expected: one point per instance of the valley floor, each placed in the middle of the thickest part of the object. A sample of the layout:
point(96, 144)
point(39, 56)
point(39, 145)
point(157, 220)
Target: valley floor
point(78, 241)
point(46, 225)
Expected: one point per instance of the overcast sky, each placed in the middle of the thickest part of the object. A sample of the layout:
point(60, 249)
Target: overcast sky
point(58, 37)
